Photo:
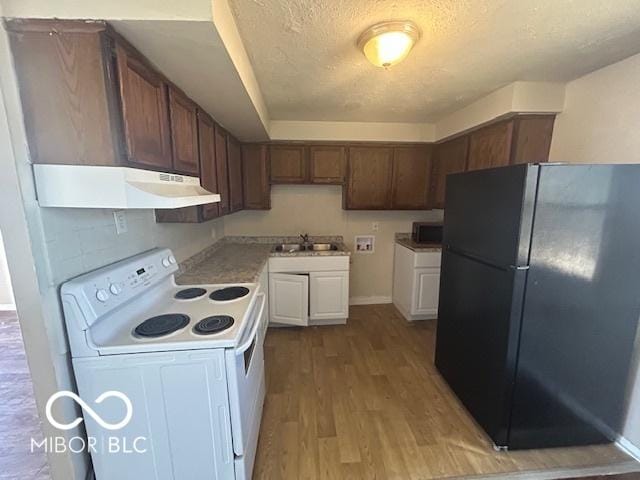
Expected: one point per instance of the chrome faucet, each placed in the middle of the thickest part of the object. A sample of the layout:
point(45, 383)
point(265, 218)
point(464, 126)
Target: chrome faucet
point(305, 239)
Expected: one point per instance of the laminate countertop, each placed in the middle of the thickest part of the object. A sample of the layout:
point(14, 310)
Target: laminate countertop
point(242, 259)
point(405, 240)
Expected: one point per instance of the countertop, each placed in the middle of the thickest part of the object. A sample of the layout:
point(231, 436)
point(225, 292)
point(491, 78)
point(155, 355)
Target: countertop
point(405, 240)
point(242, 259)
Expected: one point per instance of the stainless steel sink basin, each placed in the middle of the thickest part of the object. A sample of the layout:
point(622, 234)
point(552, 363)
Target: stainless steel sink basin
point(299, 247)
point(323, 247)
point(289, 247)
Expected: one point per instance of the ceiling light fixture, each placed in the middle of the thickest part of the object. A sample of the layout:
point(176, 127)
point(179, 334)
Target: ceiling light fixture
point(387, 43)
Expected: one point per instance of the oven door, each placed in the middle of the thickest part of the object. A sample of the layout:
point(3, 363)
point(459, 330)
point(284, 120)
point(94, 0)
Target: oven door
point(245, 377)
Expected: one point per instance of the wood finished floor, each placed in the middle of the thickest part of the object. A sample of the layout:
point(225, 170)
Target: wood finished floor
point(364, 401)
point(19, 421)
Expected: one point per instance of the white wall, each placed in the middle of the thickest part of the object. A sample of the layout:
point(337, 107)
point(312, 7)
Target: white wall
point(6, 291)
point(600, 123)
point(317, 210)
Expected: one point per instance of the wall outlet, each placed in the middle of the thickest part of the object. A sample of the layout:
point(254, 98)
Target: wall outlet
point(375, 226)
point(120, 219)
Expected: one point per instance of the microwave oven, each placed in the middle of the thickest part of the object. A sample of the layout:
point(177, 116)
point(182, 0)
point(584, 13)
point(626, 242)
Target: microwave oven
point(427, 232)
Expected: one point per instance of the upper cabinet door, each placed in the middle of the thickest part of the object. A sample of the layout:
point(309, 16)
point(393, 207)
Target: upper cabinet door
point(450, 157)
point(327, 164)
point(184, 133)
point(255, 176)
point(235, 174)
point(145, 112)
point(64, 89)
point(369, 171)
point(222, 168)
point(411, 177)
point(532, 139)
point(490, 146)
point(288, 164)
point(208, 172)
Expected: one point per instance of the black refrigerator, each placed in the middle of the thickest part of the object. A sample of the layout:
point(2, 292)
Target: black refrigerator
point(540, 300)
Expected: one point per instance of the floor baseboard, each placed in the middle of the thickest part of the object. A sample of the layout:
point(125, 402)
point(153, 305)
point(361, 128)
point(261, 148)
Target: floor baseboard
point(369, 300)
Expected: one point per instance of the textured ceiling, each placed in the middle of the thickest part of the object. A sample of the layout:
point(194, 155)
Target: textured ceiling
point(308, 67)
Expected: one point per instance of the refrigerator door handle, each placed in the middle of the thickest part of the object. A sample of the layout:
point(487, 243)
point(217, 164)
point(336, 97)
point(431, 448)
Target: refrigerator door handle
point(475, 258)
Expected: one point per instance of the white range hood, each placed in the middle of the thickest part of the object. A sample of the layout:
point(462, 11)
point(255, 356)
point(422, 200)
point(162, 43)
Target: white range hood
point(82, 186)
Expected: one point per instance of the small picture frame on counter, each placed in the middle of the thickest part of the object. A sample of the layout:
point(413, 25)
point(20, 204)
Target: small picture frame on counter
point(365, 243)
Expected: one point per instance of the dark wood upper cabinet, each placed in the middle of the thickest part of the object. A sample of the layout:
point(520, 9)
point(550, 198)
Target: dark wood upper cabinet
point(255, 176)
point(490, 146)
point(288, 164)
point(234, 157)
point(208, 171)
point(222, 169)
point(327, 164)
point(145, 112)
point(64, 92)
point(411, 177)
point(90, 98)
point(532, 138)
point(369, 173)
point(208, 178)
point(184, 133)
point(449, 157)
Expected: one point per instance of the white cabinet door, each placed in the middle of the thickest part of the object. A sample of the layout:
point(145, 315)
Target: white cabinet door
point(329, 295)
point(289, 298)
point(426, 284)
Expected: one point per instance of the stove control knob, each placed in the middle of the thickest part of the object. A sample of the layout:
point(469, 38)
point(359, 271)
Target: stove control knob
point(165, 262)
point(102, 295)
point(172, 259)
point(115, 288)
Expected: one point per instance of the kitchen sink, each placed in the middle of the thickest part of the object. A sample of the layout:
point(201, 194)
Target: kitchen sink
point(289, 247)
point(323, 247)
point(298, 247)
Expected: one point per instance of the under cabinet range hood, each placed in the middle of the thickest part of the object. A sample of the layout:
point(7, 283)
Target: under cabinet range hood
point(83, 186)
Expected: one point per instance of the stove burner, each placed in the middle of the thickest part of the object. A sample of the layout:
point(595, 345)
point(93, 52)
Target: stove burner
point(229, 293)
point(214, 324)
point(189, 293)
point(162, 325)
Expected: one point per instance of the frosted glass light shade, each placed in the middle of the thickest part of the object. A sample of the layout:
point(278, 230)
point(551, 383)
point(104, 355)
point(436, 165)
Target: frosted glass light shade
point(386, 44)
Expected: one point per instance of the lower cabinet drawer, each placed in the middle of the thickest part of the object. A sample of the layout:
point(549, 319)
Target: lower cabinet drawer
point(427, 259)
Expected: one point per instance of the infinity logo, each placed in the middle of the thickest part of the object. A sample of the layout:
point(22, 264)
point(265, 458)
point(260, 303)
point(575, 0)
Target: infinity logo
point(89, 410)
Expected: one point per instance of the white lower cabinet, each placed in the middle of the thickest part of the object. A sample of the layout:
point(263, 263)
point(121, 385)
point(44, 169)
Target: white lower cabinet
point(289, 300)
point(416, 283)
point(328, 295)
point(427, 288)
point(309, 290)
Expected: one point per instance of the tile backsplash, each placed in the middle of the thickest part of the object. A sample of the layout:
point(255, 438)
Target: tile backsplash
point(81, 240)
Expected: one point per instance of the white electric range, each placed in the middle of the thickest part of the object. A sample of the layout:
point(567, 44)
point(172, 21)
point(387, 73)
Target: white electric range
point(189, 359)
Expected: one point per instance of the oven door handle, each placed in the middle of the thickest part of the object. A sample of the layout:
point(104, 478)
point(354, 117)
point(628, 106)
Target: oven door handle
point(261, 297)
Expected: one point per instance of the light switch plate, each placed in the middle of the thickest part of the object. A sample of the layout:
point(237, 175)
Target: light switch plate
point(375, 226)
point(120, 219)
